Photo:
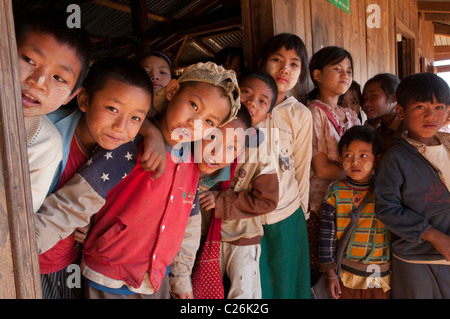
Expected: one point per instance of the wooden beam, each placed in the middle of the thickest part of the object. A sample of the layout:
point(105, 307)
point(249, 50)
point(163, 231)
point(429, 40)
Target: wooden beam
point(125, 8)
point(442, 29)
point(441, 17)
point(200, 8)
point(140, 23)
point(203, 46)
point(198, 25)
point(19, 264)
point(442, 52)
point(434, 6)
point(442, 68)
point(179, 51)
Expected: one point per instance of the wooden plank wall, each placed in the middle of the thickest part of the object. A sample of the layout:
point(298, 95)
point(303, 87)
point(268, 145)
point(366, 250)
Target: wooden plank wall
point(319, 23)
point(19, 265)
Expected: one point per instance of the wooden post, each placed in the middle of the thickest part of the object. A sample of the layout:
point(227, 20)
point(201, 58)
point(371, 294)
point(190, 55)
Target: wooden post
point(19, 265)
point(258, 27)
point(139, 19)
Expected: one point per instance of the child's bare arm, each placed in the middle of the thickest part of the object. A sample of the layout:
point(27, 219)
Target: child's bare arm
point(439, 240)
point(326, 169)
point(153, 157)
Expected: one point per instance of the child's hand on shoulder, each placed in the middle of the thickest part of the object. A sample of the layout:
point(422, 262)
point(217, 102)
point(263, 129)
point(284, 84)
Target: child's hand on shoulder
point(153, 157)
point(207, 200)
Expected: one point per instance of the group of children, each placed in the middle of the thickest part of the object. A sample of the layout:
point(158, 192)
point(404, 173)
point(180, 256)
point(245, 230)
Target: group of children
point(145, 188)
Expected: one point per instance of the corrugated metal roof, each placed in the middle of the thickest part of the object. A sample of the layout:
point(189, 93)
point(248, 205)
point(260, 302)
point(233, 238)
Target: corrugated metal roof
point(106, 24)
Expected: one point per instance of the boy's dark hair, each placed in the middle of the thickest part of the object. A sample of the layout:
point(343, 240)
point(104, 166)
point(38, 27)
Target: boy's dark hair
point(421, 87)
point(244, 115)
point(54, 23)
point(118, 69)
point(289, 41)
point(388, 83)
point(362, 133)
point(266, 78)
point(158, 54)
point(328, 55)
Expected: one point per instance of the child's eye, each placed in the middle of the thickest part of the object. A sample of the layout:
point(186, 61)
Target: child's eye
point(136, 118)
point(439, 107)
point(349, 72)
point(28, 60)
point(209, 122)
point(112, 109)
point(194, 106)
point(245, 91)
point(59, 79)
point(276, 59)
point(263, 102)
point(295, 65)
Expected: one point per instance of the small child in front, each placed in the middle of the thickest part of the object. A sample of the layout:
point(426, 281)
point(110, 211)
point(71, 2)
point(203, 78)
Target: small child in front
point(139, 223)
point(359, 148)
point(412, 191)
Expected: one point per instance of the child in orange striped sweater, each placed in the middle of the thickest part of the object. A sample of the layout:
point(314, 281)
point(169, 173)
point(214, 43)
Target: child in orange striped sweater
point(368, 248)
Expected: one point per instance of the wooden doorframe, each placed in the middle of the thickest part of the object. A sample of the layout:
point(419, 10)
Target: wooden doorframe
point(19, 264)
point(411, 48)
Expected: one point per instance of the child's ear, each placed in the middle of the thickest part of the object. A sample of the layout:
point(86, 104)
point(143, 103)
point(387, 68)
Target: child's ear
point(71, 96)
point(83, 100)
point(316, 75)
point(400, 111)
point(172, 88)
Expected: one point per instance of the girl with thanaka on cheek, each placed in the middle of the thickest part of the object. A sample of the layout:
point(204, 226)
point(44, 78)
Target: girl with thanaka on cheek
point(284, 57)
point(369, 248)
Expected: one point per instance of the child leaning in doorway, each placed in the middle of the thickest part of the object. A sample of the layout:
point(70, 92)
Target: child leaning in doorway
point(53, 61)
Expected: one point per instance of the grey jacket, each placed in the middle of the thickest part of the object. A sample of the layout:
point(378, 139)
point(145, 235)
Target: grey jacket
point(411, 197)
